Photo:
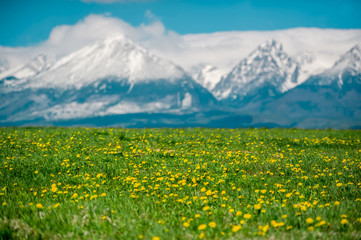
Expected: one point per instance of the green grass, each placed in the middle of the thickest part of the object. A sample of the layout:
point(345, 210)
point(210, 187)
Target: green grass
point(94, 183)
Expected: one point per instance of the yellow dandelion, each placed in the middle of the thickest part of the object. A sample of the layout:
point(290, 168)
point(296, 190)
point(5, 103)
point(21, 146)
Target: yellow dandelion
point(201, 235)
point(206, 208)
point(344, 221)
point(185, 224)
point(212, 224)
point(54, 188)
point(236, 228)
point(202, 227)
point(247, 216)
point(39, 205)
point(309, 220)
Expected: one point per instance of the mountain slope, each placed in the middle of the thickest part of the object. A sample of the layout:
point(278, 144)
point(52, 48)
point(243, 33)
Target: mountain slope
point(32, 68)
point(266, 72)
point(329, 99)
point(113, 76)
point(207, 75)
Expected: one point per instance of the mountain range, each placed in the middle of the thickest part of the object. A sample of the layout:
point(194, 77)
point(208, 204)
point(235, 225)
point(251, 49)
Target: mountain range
point(116, 82)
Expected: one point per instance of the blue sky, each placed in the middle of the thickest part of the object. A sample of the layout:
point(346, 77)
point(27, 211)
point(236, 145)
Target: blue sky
point(24, 22)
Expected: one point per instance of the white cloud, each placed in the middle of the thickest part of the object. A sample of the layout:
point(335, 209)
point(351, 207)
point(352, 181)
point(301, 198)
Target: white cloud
point(150, 16)
point(221, 49)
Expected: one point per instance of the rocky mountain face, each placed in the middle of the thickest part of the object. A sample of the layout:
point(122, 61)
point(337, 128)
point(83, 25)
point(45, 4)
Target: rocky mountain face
point(329, 99)
point(113, 76)
point(267, 71)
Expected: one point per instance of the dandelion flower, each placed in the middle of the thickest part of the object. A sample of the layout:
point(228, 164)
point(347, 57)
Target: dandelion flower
point(212, 224)
point(39, 205)
point(205, 208)
point(344, 221)
point(202, 227)
point(309, 220)
point(236, 228)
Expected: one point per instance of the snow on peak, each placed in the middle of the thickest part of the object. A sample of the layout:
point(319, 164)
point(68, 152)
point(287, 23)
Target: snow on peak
point(35, 66)
point(351, 59)
point(114, 56)
point(207, 75)
point(267, 65)
point(271, 45)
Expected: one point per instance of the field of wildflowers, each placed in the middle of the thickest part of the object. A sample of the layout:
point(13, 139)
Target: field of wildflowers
point(94, 183)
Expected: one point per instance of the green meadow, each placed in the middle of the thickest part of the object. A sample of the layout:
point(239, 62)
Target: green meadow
point(104, 183)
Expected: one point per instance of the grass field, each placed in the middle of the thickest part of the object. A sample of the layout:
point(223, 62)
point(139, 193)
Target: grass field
point(94, 183)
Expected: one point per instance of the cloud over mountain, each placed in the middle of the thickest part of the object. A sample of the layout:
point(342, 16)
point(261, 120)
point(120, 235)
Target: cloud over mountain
point(221, 49)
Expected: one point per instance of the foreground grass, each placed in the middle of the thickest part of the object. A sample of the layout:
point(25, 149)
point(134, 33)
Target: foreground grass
point(179, 183)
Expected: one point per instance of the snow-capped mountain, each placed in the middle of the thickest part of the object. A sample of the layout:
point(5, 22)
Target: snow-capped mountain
point(329, 99)
point(350, 60)
point(116, 78)
point(32, 68)
point(267, 71)
point(112, 76)
point(117, 57)
point(345, 71)
point(207, 75)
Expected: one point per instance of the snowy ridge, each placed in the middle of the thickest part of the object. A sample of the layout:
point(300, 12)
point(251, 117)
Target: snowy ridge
point(208, 76)
point(115, 76)
point(350, 60)
point(113, 57)
point(109, 77)
point(35, 66)
point(268, 65)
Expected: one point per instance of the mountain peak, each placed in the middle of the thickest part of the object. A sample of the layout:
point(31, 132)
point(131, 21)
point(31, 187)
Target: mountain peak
point(114, 41)
point(34, 67)
point(266, 67)
point(271, 45)
point(112, 57)
point(351, 60)
point(269, 53)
